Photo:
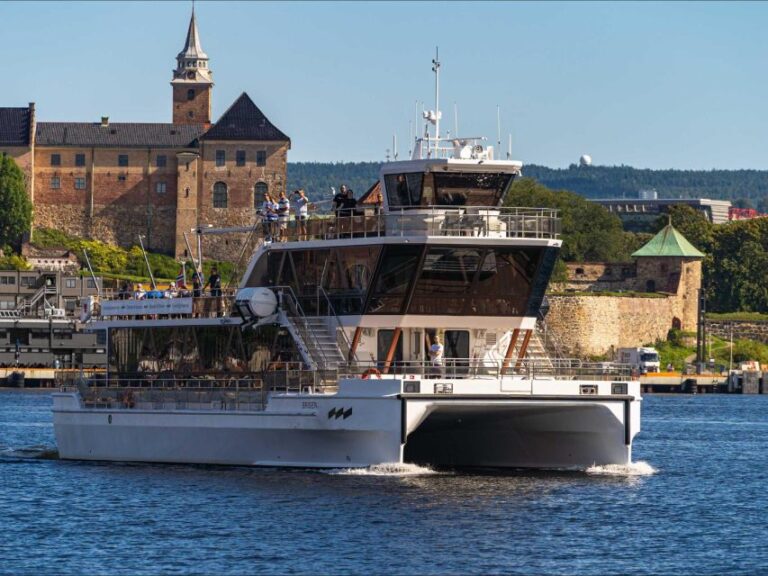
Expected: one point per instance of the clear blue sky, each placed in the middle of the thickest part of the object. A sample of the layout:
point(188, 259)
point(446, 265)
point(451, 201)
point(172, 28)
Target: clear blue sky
point(658, 85)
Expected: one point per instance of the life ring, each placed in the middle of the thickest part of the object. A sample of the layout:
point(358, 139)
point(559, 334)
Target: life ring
point(371, 372)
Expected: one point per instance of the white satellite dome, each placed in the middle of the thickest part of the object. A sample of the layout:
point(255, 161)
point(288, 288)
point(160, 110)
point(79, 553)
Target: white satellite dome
point(585, 160)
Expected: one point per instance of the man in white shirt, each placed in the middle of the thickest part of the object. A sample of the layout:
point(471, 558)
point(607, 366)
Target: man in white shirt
point(302, 213)
point(436, 356)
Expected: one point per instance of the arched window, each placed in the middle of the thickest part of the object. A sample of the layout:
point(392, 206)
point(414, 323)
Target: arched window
point(259, 190)
point(219, 195)
point(190, 94)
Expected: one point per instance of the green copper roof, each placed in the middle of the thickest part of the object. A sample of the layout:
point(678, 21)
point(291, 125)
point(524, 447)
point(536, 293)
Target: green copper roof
point(669, 242)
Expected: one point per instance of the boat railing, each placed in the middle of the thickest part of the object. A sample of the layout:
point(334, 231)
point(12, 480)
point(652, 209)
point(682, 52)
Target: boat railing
point(477, 221)
point(452, 368)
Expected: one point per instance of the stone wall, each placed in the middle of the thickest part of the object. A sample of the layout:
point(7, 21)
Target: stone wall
point(595, 325)
point(742, 330)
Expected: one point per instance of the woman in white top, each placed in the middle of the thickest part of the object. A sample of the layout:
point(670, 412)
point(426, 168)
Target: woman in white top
point(302, 213)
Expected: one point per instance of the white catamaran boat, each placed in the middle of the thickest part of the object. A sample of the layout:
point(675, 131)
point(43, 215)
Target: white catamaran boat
point(403, 332)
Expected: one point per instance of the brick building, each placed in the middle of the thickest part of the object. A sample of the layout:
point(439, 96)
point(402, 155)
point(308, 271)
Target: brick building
point(113, 181)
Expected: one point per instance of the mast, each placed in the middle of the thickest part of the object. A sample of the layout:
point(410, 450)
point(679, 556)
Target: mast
point(436, 70)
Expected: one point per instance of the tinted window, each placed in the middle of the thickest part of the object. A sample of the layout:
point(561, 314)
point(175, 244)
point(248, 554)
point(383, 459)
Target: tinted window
point(446, 280)
point(396, 271)
point(347, 276)
point(504, 282)
point(404, 189)
point(470, 189)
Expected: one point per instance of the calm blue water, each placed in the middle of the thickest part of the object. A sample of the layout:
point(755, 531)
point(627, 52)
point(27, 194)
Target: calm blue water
point(704, 511)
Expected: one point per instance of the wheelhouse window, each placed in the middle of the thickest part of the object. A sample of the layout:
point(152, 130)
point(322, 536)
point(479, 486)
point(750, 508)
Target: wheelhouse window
point(220, 195)
point(467, 189)
point(221, 158)
point(404, 189)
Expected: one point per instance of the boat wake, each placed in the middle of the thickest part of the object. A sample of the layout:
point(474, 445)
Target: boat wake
point(386, 469)
point(32, 452)
point(632, 469)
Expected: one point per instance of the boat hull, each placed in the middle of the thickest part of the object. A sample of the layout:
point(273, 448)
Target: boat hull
point(332, 432)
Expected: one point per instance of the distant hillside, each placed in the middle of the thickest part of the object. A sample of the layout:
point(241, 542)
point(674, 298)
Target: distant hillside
point(747, 187)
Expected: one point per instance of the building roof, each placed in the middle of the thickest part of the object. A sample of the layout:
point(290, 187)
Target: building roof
point(244, 121)
point(669, 242)
point(14, 126)
point(117, 135)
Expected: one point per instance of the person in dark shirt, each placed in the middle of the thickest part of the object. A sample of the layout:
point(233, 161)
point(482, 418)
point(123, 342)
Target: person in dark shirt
point(214, 281)
point(350, 204)
point(339, 199)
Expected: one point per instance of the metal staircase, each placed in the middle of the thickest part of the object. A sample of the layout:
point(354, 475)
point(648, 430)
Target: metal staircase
point(317, 341)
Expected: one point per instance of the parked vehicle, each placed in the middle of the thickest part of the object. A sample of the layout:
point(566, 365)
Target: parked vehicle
point(642, 360)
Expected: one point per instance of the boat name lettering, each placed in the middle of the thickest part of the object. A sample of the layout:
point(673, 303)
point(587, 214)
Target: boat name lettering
point(306, 405)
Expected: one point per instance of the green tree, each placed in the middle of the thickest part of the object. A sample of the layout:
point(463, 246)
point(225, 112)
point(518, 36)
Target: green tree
point(590, 232)
point(15, 206)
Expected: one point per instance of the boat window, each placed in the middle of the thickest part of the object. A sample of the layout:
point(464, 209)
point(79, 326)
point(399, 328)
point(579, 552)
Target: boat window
point(504, 282)
point(456, 344)
point(481, 189)
point(347, 277)
point(383, 343)
point(446, 279)
point(508, 281)
point(396, 271)
point(403, 189)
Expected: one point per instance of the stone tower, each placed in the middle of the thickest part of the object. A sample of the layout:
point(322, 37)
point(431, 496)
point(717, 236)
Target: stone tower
point(192, 83)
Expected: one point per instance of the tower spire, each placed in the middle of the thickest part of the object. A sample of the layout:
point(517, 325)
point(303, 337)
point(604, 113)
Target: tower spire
point(192, 80)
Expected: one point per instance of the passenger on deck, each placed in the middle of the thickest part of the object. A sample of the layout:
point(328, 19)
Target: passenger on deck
point(283, 215)
point(214, 281)
point(268, 214)
point(140, 293)
point(302, 213)
point(349, 206)
point(338, 200)
point(436, 357)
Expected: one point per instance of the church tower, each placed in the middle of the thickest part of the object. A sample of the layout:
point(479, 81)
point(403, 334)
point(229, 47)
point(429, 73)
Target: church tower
point(192, 83)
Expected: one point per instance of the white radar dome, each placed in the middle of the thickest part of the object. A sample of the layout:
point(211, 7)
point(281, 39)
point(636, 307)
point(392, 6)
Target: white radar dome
point(260, 302)
point(585, 160)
